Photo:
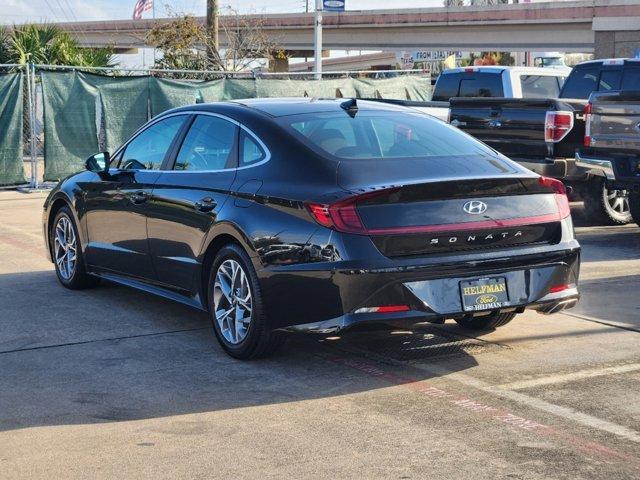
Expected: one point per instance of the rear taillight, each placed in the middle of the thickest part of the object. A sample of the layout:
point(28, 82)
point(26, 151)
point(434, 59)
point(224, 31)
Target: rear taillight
point(557, 125)
point(560, 194)
point(343, 216)
point(587, 125)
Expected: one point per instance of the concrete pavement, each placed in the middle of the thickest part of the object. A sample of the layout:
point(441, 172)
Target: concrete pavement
point(111, 382)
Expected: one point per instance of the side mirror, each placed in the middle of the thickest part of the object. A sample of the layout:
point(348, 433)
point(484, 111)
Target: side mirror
point(98, 163)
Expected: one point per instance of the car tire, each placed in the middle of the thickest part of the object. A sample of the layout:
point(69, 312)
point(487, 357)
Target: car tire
point(243, 334)
point(605, 206)
point(487, 322)
point(634, 207)
point(66, 252)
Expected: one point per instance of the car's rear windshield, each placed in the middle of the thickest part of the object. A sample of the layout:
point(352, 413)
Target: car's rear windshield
point(376, 135)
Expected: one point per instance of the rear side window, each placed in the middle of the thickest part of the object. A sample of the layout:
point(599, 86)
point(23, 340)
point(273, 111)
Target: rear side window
point(539, 86)
point(209, 145)
point(631, 78)
point(581, 83)
point(378, 135)
point(468, 84)
point(250, 151)
point(610, 80)
point(446, 87)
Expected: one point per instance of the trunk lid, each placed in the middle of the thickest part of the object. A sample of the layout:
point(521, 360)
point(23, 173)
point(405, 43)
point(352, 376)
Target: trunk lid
point(495, 205)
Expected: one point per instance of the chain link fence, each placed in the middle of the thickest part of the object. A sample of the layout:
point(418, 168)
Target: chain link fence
point(52, 117)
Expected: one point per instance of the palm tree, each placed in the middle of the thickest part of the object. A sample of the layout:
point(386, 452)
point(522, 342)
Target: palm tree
point(50, 45)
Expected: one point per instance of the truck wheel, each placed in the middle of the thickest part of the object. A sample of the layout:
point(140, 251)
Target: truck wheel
point(488, 322)
point(634, 207)
point(604, 205)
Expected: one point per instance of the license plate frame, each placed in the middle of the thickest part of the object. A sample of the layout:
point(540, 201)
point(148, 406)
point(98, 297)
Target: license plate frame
point(487, 293)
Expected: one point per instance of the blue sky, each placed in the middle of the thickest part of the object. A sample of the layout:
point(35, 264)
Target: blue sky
point(20, 11)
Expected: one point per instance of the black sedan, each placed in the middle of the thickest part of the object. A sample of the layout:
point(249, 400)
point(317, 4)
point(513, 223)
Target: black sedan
point(315, 215)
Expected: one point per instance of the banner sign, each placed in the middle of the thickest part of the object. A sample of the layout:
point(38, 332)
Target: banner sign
point(333, 5)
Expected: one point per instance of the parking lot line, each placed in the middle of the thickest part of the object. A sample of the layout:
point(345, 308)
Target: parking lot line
point(570, 377)
point(539, 404)
point(493, 411)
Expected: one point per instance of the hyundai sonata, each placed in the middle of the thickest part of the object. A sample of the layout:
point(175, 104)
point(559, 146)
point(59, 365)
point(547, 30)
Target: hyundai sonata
point(315, 215)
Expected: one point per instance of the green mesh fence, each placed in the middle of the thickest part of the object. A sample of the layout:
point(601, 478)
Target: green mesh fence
point(73, 122)
point(125, 106)
point(11, 166)
point(401, 88)
point(70, 130)
point(166, 94)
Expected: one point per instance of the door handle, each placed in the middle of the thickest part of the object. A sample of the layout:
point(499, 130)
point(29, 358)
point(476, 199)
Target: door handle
point(139, 197)
point(205, 204)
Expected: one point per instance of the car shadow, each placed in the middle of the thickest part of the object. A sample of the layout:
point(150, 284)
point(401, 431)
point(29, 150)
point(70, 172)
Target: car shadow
point(612, 300)
point(113, 354)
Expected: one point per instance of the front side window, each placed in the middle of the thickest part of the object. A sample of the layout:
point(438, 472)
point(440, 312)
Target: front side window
point(539, 86)
point(148, 149)
point(209, 145)
point(377, 135)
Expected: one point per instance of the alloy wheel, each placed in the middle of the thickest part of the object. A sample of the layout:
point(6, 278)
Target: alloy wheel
point(65, 248)
point(232, 301)
point(618, 201)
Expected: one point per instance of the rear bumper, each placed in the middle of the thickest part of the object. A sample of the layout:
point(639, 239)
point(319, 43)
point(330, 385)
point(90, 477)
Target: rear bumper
point(328, 300)
point(620, 169)
point(595, 166)
point(548, 306)
point(561, 168)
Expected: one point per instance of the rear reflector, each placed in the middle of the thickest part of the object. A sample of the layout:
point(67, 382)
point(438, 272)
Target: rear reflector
point(384, 309)
point(559, 288)
point(557, 125)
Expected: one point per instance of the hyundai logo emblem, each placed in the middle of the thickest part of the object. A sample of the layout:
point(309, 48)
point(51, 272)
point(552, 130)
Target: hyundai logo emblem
point(475, 207)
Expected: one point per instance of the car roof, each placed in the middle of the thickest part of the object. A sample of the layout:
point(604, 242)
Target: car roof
point(500, 69)
point(279, 107)
point(609, 61)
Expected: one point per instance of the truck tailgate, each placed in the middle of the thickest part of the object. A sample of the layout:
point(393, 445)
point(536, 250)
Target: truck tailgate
point(514, 127)
point(615, 121)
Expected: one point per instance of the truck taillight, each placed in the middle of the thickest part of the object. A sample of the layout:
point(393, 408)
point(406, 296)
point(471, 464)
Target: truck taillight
point(587, 125)
point(557, 125)
point(562, 201)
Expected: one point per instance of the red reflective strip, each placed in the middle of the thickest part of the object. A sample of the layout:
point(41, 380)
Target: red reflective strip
point(392, 308)
point(559, 288)
point(448, 227)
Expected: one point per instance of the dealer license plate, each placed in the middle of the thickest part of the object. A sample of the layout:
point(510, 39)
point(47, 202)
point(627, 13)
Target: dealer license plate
point(484, 294)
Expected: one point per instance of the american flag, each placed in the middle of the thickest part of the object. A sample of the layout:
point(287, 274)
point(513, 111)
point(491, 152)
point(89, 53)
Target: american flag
point(141, 6)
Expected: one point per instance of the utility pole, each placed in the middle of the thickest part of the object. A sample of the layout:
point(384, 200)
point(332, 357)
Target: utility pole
point(212, 27)
point(317, 40)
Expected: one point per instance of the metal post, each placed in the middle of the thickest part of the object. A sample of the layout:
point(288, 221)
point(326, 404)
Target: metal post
point(317, 40)
point(32, 120)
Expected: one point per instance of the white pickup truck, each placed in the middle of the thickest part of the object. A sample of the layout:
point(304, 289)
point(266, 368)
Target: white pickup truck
point(494, 81)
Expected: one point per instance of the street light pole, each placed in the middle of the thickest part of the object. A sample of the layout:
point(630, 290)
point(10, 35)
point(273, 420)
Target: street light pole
point(317, 40)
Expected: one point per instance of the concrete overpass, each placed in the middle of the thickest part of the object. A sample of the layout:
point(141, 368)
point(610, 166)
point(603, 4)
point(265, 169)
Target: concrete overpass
point(606, 27)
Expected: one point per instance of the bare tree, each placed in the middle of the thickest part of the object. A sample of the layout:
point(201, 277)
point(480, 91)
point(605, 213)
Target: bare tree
point(186, 43)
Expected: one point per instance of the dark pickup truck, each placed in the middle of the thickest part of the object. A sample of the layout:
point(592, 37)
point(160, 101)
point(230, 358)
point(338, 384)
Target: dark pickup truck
point(544, 134)
point(612, 142)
